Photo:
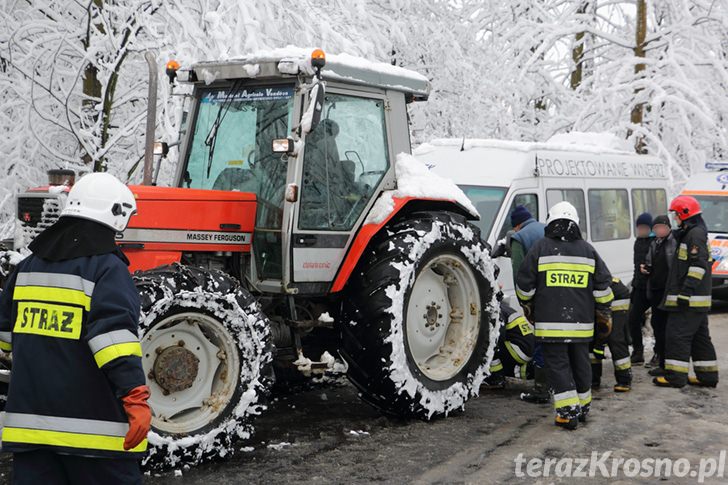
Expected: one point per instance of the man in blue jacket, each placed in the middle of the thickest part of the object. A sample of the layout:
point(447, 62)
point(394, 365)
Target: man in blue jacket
point(527, 231)
point(77, 408)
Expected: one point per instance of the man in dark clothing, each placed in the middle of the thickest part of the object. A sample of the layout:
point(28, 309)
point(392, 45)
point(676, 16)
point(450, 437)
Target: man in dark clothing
point(688, 300)
point(77, 408)
point(617, 342)
point(639, 303)
point(657, 268)
point(527, 231)
point(564, 286)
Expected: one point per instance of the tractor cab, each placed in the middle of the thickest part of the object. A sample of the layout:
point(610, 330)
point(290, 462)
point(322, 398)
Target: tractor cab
point(314, 143)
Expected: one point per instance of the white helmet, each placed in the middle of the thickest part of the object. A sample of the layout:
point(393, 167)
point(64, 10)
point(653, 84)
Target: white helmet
point(103, 198)
point(563, 210)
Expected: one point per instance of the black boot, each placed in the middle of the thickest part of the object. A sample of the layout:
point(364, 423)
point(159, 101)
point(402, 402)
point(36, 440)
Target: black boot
point(654, 361)
point(657, 372)
point(637, 358)
point(495, 381)
point(540, 393)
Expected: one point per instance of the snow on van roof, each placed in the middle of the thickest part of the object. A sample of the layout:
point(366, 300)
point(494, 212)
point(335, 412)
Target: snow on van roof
point(342, 67)
point(586, 142)
point(499, 162)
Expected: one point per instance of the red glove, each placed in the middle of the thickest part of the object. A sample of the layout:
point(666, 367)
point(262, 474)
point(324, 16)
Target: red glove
point(140, 416)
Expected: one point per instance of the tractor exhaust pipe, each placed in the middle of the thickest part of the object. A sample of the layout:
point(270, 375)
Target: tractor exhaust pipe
point(151, 119)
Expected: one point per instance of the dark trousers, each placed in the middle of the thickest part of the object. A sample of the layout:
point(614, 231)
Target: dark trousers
point(687, 337)
point(617, 342)
point(49, 468)
point(569, 373)
point(639, 304)
point(659, 324)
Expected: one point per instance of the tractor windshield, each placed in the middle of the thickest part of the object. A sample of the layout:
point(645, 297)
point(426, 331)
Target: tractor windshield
point(231, 150)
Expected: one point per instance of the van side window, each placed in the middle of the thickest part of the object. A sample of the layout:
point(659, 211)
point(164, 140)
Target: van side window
point(575, 197)
point(529, 201)
point(653, 201)
point(609, 214)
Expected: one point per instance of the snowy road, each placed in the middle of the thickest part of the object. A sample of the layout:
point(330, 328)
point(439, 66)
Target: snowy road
point(315, 436)
point(326, 435)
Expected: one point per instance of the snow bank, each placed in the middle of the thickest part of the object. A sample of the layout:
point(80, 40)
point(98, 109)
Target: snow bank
point(414, 179)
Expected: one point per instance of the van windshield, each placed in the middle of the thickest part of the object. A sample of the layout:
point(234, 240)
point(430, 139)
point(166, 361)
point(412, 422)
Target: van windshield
point(487, 200)
point(715, 213)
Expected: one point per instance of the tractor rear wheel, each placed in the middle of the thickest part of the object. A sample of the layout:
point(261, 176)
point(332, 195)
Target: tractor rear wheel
point(421, 316)
point(206, 350)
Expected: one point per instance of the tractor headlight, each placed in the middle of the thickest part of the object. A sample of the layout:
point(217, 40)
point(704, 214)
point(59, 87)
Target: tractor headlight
point(283, 145)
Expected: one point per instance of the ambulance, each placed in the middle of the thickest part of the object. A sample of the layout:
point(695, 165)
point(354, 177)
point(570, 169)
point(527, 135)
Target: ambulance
point(608, 185)
point(711, 189)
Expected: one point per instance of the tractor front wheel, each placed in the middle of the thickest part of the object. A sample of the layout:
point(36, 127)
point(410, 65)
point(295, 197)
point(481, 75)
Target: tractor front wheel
point(207, 354)
point(420, 317)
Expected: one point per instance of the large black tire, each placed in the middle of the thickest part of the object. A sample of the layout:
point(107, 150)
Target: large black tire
point(374, 329)
point(171, 290)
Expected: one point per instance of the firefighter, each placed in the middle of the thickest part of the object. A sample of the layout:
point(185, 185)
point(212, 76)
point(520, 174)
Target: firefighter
point(77, 408)
point(688, 299)
point(563, 284)
point(515, 349)
point(617, 342)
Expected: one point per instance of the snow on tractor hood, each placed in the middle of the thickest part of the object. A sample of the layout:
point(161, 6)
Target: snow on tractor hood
point(415, 180)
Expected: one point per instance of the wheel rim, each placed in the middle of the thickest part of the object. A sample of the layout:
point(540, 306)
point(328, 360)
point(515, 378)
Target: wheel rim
point(443, 317)
point(193, 367)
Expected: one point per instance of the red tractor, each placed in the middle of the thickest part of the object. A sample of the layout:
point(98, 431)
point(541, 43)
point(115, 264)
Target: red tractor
point(296, 232)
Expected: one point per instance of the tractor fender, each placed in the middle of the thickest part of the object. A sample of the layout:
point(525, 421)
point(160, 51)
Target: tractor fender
point(402, 206)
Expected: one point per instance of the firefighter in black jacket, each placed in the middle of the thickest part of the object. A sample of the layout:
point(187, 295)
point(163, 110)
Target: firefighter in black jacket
point(688, 299)
point(76, 409)
point(563, 285)
point(617, 342)
point(515, 349)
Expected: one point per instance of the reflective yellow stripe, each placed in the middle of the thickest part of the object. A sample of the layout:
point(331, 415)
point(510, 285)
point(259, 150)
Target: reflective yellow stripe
point(696, 272)
point(514, 353)
point(566, 267)
point(6, 346)
point(569, 401)
point(496, 366)
point(518, 321)
point(523, 295)
point(585, 398)
point(603, 297)
point(68, 440)
point(620, 308)
point(107, 354)
point(53, 295)
point(623, 364)
point(565, 333)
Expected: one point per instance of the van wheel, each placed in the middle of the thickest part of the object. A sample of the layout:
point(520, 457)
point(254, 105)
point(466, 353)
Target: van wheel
point(421, 316)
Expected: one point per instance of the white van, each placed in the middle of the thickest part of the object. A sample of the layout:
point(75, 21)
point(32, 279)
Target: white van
point(711, 190)
point(609, 188)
